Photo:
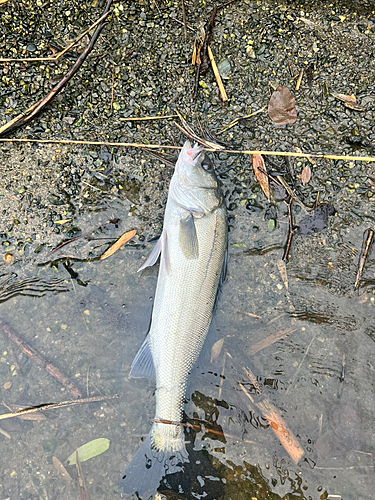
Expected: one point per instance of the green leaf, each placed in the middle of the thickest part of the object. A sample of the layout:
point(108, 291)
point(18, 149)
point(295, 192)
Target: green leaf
point(271, 225)
point(89, 450)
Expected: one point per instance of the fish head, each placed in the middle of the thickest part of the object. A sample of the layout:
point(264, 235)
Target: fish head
point(194, 168)
point(195, 186)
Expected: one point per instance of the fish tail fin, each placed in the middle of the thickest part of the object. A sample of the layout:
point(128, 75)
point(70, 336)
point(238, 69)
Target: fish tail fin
point(182, 469)
point(162, 452)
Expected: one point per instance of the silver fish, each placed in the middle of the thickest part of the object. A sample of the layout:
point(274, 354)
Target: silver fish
point(193, 249)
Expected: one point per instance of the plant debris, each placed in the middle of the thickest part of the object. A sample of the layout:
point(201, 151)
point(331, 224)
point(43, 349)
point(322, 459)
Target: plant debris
point(89, 450)
point(306, 175)
point(282, 107)
point(261, 174)
point(118, 244)
point(317, 221)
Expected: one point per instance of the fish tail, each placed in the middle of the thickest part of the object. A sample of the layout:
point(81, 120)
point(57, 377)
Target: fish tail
point(178, 468)
point(162, 453)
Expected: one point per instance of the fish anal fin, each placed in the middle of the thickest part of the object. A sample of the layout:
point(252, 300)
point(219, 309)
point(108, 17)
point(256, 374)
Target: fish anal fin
point(154, 255)
point(143, 364)
point(188, 239)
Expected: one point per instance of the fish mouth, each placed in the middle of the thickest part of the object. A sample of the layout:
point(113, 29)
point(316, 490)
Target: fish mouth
point(199, 151)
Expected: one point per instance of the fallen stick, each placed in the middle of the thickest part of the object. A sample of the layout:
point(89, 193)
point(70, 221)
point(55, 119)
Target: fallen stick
point(64, 243)
point(211, 149)
point(53, 406)
point(21, 119)
point(41, 361)
point(279, 426)
point(199, 428)
point(217, 75)
point(369, 234)
point(144, 118)
point(290, 232)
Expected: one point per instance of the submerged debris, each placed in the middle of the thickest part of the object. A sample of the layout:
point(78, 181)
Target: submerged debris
point(317, 221)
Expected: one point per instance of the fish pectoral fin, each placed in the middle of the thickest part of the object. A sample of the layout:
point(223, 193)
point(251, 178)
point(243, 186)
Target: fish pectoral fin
point(188, 237)
point(154, 255)
point(143, 364)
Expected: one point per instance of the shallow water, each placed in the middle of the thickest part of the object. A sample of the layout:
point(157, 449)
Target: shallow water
point(88, 318)
point(319, 377)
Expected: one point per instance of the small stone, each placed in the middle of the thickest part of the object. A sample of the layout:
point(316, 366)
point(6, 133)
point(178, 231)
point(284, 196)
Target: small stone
point(31, 47)
point(7, 385)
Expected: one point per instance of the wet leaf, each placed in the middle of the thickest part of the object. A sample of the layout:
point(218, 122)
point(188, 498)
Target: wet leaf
point(306, 175)
point(118, 244)
point(260, 173)
point(60, 469)
point(89, 450)
point(82, 491)
point(271, 225)
point(282, 270)
point(282, 107)
point(317, 221)
point(216, 349)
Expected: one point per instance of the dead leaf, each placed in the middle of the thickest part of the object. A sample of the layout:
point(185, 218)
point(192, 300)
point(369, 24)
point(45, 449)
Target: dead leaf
point(282, 107)
point(306, 175)
point(3, 1)
point(259, 170)
point(60, 469)
point(82, 491)
point(349, 101)
point(282, 270)
point(216, 349)
point(118, 244)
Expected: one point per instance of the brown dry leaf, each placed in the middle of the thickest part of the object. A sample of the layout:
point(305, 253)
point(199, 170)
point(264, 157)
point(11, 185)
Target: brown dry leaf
point(349, 101)
point(82, 491)
point(259, 170)
point(3, 1)
point(60, 469)
point(216, 349)
point(306, 175)
point(282, 107)
point(282, 270)
point(118, 244)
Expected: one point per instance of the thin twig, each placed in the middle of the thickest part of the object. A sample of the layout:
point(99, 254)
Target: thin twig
point(290, 231)
point(64, 243)
point(236, 120)
point(144, 118)
point(217, 75)
point(301, 363)
point(53, 406)
point(247, 313)
point(184, 16)
point(199, 428)
point(362, 261)
point(212, 149)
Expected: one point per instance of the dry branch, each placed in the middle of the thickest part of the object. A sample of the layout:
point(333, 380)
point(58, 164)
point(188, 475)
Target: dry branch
point(21, 119)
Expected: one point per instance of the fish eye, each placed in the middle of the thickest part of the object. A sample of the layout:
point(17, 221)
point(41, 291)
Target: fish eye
point(206, 163)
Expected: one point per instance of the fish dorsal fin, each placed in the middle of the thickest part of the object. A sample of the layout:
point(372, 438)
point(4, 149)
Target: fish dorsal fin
point(143, 364)
point(188, 237)
point(154, 255)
